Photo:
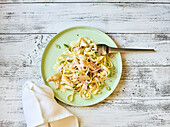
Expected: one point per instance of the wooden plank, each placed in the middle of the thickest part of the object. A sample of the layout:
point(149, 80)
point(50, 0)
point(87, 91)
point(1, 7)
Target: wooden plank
point(125, 113)
point(30, 48)
point(136, 82)
point(150, 103)
point(122, 113)
point(129, 105)
point(159, 42)
point(114, 17)
point(142, 97)
point(80, 1)
point(6, 123)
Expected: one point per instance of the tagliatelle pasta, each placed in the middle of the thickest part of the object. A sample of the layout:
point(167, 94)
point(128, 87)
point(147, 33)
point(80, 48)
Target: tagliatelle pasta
point(81, 70)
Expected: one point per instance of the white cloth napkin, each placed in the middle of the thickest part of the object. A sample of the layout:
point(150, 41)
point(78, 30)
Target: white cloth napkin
point(42, 110)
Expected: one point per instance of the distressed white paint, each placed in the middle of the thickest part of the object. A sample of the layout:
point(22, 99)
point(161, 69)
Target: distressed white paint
point(109, 17)
point(142, 97)
point(36, 43)
point(80, 1)
point(143, 85)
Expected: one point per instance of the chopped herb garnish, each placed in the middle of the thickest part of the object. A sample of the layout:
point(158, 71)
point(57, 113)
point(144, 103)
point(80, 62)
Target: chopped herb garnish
point(82, 51)
point(112, 71)
point(57, 46)
point(64, 84)
point(69, 61)
point(96, 56)
point(62, 62)
point(101, 86)
point(65, 56)
point(108, 88)
point(77, 71)
point(74, 86)
point(66, 46)
point(88, 85)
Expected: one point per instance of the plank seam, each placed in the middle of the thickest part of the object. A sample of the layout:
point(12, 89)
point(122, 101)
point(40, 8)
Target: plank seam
point(57, 33)
point(110, 99)
point(85, 2)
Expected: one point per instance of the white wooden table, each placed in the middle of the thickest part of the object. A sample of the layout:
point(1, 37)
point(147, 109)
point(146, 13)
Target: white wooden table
point(142, 98)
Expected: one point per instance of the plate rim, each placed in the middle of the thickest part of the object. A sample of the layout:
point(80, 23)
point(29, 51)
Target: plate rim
point(58, 34)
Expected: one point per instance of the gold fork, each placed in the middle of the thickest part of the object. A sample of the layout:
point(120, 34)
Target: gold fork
point(103, 49)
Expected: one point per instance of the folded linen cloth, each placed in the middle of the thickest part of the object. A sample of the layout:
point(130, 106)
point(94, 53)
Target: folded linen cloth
point(42, 110)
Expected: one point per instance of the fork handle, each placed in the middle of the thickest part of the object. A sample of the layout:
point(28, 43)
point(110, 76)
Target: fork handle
point(112, 50)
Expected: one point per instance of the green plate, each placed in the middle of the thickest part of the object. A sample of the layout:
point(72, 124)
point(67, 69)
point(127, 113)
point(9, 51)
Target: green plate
point(51, 53)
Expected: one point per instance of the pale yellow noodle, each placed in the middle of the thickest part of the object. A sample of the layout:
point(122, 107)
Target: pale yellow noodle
point(81, 69)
